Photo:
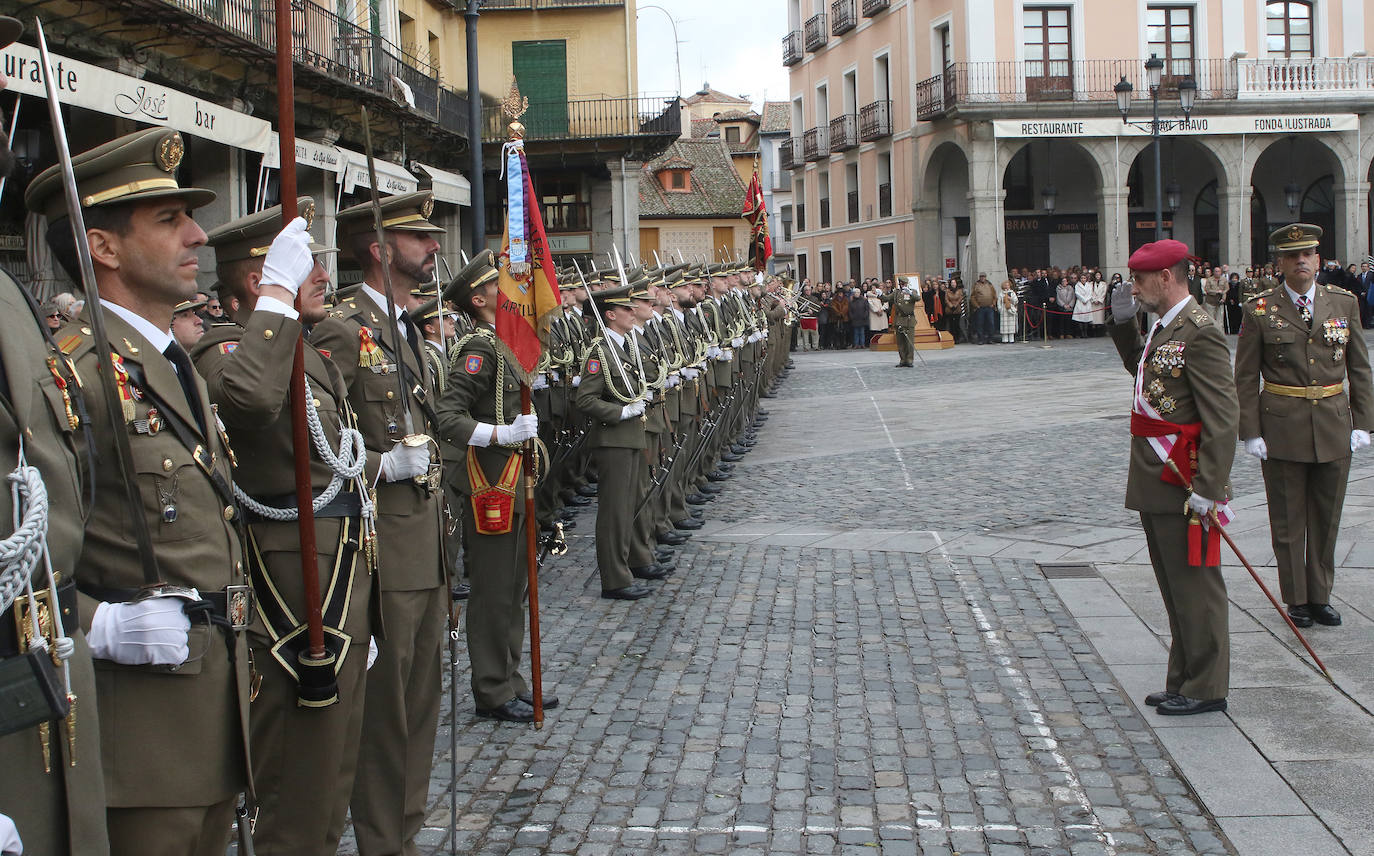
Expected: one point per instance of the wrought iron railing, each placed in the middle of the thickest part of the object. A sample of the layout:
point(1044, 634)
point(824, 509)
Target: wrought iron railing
point(590, 119)
point(875, 121)
point(525, 5)
point(815, 32)
point(844, 133)
point(558, 217)
point(930, 98)
point(792, 48)
point(816, 143)
point(843, 18)
point(873, 7)
point(787, 154)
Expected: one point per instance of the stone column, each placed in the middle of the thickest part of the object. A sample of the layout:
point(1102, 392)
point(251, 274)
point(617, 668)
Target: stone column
point(988, 253)
point(1352, 219)
point(624, 208)
point(926, 255)
point(1233, 203)
point(1113, 230)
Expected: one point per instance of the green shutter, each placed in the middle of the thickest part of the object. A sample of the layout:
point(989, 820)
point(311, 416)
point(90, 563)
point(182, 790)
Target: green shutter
point(541, 70)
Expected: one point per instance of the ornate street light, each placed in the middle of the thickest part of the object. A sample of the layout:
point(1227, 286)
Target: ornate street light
point(1173, 196)
point(1292, 197)
point(1048, 196)
point(1187, 95)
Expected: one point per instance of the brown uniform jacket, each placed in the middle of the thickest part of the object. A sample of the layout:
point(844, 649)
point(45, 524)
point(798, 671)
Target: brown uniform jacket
point(1203, 391)
point(607, 430)
point(1276, 346)
point(903, 308)
point(470, 397)
point(171, 736)
point(31, 404)
point(248, 373)
point(408, 544)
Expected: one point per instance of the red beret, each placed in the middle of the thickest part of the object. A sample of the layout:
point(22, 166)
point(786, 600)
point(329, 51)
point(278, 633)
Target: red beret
point(1158, 255)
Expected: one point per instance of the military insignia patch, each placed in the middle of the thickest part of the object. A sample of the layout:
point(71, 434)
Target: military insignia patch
point(228, 347)
point(473, 364)
point(170, 152)
point(327, 354)
point(427, 207)
point(593, 366)
point(69, 343)
point(1260, 307)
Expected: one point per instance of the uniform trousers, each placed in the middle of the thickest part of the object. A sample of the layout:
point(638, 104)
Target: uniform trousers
point(202, 830)
point(617, 497)
point(905, 336)
point(1195, 598)
point(1305, 502)
point(496, 608)
point(400, 722)
point(304, 759)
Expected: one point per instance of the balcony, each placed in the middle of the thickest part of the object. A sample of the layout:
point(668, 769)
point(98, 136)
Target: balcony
point(885, 200)
point(786, 154)
point(978, 86)
point(780, 182)
point(875, 121)
point(873, 7)
point(792, 48)
point(852, 206)
point(1327, 78)
point(842, 17)
point(815, 35)
point(816, 144)
point(527, 5)
point(844, 133)
point(559, 217)
point(589, 119)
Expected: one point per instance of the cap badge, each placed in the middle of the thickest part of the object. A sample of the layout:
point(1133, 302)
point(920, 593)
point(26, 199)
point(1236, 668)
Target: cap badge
point(170, 152)
point(1295, 233)
point(427, 207)
point(308, 212)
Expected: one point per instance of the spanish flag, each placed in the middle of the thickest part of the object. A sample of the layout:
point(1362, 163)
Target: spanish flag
point(527, 279)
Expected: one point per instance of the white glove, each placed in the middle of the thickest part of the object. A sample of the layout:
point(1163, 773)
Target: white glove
point(1255, 446)
point(554, 375)
point(1200, 504)
point(541, 381)
point(673, 381)
point(690, 374)
point(648, 395)
point(713, 352)
point(525, 427)
point(1358, 440)
point(577, 381)
point(1123, 304)
point(289, 260)
point(737, 342)
point(9, 837)
point(404, 462)
point(630, 411)
point(148, 632)
point(371, 651)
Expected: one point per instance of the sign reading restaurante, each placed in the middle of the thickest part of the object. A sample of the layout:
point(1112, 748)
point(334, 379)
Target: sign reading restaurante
point(1272, 124)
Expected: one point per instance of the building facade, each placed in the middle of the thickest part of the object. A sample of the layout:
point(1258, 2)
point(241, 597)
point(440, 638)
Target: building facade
point(1019, 155)
point(775, 129)
point(691, 201)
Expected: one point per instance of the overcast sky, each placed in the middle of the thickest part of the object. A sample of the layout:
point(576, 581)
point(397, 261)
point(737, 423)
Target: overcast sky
point(735, 45)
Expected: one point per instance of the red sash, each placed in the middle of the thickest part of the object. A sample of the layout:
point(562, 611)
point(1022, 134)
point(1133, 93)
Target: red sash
point(1184, 456)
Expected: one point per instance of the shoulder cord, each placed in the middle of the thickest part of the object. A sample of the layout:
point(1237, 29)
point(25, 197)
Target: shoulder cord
point(23, 551)
point(599, 346)
point(347, 464)
point(662, 363)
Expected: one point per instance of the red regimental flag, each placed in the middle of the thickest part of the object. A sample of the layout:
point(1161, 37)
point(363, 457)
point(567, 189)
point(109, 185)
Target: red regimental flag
point(756, 212)
point(527, 300)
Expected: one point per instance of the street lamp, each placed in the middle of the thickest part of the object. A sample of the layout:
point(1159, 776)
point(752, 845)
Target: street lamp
point(1292, 197)
point(677, 58)
point(1048, 197)
point(1173, 195)
point(1187, 95)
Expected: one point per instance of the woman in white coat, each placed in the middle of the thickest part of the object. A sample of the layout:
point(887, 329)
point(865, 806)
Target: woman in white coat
point(877, 313)
point(1007, 302)
point(1099, 303)
point(1083, 307)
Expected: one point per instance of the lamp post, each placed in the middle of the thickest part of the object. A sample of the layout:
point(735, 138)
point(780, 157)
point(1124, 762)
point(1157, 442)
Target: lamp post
point(677, 57)
point(478, 200)
point(1187, 94)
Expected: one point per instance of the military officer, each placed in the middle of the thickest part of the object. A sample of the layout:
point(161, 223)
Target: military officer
point(1184, 412)
point(171, 670)
point(305, 751)
point(402, 707)
point(53, 792)
point(1300, 343)
point(480, 414)
point(902, 303)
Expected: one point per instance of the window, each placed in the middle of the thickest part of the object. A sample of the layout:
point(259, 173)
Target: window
point(887, 266)
point(1170, 34)
point(1048, 50)
point(1018, 182)
point(1288, 29)
point(946, 54)
point(679, 179)
point(826, 267)
point(676, 180)
point(785, 215)
point(732, 133)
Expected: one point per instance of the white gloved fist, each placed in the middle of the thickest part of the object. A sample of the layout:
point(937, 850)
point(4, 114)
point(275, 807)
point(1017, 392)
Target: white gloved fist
point(630, 411)
point(737, 342)
point(9, 837)
point(1123, 304)
point(525, 427)
point(371, 651)
point(404, 462)
point(289, 260)
point(151, 632)
point(541, 381)
point(690, 374)
point(576, 381)
point(1255, 446)
point(1200, 504)
point(1359, 439)
point(673, 381)
point(712, 352)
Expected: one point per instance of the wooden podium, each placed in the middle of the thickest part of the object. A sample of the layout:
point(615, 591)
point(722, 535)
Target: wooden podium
point(925, 337)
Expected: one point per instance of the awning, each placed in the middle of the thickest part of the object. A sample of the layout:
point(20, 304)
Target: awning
point(391, 177)
point(327, 158)
point(94, 88)
point(448, 186)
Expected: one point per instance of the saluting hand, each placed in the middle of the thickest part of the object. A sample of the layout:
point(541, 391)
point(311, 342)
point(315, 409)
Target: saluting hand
point(289, 260)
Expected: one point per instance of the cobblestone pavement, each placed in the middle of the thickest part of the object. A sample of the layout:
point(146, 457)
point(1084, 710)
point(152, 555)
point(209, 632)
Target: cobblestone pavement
point(781, 699)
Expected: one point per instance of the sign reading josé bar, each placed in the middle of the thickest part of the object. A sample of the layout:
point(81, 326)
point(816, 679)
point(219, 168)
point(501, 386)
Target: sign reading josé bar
point(1276, 124)
point(115, 94)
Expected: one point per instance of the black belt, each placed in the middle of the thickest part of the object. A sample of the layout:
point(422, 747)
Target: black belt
point(66, 601)
point(231, 609)
point(345, 504)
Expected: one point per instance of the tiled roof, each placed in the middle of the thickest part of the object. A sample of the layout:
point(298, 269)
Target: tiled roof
point(716, 188)
point(737, 116)
point(713, 96)
point(777, 118)
point(702, 127)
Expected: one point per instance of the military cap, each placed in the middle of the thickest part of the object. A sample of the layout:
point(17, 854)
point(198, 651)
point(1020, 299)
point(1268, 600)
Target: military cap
point(134, 168)
point(427, 311)
point(344, 292)
point(10, 30)
point(568, 283)
point(718, 270)
point(610, 297)
point(1295, 236)
point(476, 273)
point(675, 278)
point(250, 237)
point(193, 303)
point(406, 212)
point(639, 288)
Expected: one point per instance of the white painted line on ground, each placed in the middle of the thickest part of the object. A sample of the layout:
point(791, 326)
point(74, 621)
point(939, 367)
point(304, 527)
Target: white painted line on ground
point(1001, 654)
point(896, 452)
point(809, 829)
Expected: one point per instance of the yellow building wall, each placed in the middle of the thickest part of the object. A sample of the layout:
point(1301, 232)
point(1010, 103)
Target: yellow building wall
point(420, 18)
point(602, 48)
point(694, 236)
